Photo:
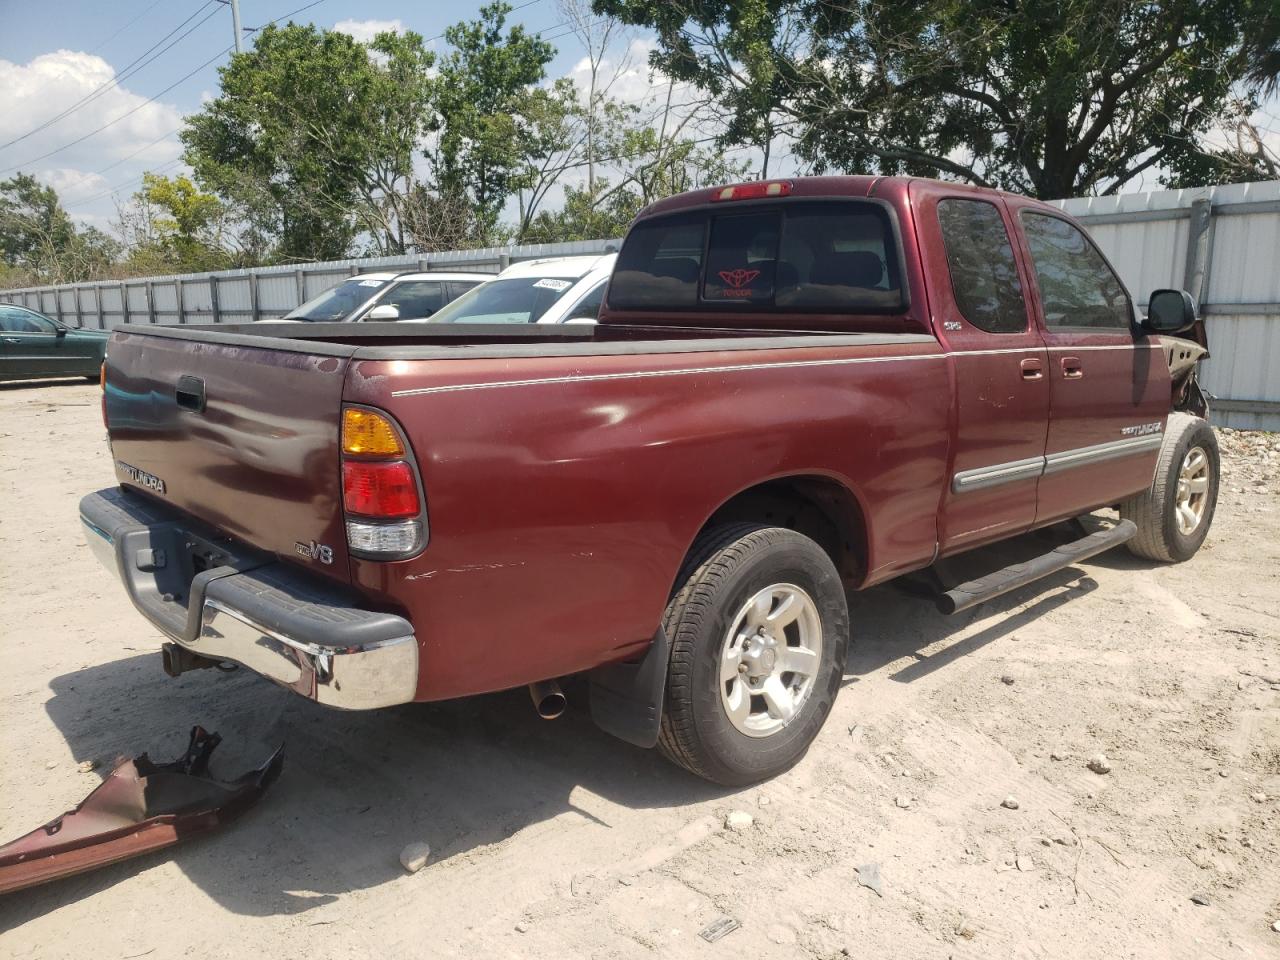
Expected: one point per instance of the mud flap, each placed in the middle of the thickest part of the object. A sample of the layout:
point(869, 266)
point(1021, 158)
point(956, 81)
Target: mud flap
point(626, 698)
point(141, 806)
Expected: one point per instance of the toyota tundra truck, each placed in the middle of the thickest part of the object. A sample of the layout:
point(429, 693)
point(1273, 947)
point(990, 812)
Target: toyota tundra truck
point(796, 389)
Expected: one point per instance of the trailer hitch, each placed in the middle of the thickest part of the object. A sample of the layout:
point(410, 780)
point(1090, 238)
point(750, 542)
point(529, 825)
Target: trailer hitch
point(141, 806)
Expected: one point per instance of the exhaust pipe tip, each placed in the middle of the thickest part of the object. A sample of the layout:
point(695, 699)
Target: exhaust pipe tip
point(548, 699)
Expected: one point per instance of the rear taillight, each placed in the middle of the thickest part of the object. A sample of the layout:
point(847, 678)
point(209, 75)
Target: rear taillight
point(756, 190)
point(102, 384)
point(384, 490)
point(381, 492)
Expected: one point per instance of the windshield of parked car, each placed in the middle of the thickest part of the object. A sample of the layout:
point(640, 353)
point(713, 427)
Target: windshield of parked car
point(515, 300)
point(337, 303)
point(836, 256)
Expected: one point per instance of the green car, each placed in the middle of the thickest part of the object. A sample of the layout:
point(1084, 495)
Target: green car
point(33, 346)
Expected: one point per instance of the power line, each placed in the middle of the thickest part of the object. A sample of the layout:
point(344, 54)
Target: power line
point(148, 146)
point(152, 99)
point(126, 26)
point(125, 72)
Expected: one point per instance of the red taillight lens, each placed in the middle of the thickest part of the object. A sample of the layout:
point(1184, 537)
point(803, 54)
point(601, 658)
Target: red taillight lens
point(756, 190)
point(380, 489)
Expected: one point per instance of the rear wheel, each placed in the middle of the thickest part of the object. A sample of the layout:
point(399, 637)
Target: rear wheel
point(1173, 516)
point(759, 630)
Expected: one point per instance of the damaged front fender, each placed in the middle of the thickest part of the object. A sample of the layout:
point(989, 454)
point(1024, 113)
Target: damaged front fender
point(141, 806)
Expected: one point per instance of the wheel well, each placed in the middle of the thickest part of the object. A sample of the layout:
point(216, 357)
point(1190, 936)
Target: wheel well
point(820, 508)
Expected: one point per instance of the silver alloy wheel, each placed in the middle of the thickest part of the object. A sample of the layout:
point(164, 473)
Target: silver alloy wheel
point(769, 659)
point(1193, 490)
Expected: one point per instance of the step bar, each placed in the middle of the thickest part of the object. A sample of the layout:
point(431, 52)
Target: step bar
point(1020, 574)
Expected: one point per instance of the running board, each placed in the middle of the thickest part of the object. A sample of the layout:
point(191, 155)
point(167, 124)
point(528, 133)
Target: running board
point(1020, 574)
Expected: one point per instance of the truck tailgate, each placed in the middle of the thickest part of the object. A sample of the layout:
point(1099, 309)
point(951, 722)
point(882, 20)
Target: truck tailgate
point(243, 437)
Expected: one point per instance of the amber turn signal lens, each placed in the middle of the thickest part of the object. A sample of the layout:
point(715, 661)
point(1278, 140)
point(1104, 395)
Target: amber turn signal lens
point(369, 434)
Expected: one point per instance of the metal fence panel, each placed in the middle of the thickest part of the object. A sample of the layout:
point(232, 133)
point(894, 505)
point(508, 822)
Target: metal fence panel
point(1146, 236)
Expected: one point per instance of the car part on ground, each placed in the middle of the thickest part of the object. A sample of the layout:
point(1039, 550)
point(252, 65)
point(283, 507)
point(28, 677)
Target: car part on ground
point(141, 806)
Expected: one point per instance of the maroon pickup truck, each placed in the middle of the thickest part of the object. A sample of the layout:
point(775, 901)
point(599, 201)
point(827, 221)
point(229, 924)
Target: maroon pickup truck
point(795, 388)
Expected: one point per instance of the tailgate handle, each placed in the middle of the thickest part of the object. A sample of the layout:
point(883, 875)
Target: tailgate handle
point(190, 393)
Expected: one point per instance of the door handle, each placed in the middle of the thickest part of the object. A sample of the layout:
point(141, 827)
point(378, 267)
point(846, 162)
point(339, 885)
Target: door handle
point(12, 340)
point(1072, 368)
point(1032, 369)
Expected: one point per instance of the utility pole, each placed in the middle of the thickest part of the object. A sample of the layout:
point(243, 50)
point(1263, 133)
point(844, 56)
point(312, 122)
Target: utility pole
point(235, 23)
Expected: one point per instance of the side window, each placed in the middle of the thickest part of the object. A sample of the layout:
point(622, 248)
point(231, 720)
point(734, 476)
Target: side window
point(588, 308)
point(458, 287)
point(417, 299)
point(984, 273)
point(17, 320)
point(1077, 288)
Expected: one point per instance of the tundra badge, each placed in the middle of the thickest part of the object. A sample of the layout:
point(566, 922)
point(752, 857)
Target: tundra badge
point(141, 477)
point(314, 551)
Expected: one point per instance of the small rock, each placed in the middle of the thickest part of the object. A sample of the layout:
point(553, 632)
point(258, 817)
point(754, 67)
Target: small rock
point(869, 877)
point(739, 820)
point(903, 802)
point(1025, 864)
point(1200, 898)
point(415, 856)
point(523, 926)
point(1224, 773)
point(764, 801)
point(1059, 755)
point(51, 764)
point(782, 934)
point(1007, 680)
point(1046, 842)
point(1258, 797)
point(86, 766)
point(1009, 803)
point(1275, 927)
point(1099, 763)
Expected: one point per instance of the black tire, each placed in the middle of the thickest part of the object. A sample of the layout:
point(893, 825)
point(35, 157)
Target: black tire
point(725, 568)
point(1155, 510)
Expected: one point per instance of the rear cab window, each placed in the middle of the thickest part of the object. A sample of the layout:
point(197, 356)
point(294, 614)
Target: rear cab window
point(814, 256)
point(984, 272)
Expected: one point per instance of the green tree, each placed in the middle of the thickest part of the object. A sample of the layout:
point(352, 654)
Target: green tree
point(34, 227)
point(485, 89)
point(312, 136)
point(39, 243)
point(1048, 97)
point(173, 226)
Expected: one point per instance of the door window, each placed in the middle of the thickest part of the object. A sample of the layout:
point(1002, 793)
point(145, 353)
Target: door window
point(588, 308)
point(1077, 288)
point(416, 299)
point(984, 273)
point(17, 320)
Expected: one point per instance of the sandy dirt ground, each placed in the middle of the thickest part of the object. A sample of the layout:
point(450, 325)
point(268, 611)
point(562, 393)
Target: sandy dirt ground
point(551, 839)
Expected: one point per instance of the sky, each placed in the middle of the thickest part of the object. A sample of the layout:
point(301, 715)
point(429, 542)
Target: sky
point(148, 63)
point(48, 63)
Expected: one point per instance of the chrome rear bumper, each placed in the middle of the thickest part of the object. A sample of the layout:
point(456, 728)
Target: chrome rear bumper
point(309, 636)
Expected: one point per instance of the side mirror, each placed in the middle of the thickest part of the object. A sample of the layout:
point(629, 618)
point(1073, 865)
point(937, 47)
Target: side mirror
point(384, 311)
point(1169, 311)
point(59, 332)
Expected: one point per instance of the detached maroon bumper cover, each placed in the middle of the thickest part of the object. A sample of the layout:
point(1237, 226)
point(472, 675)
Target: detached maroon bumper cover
point(142, 806)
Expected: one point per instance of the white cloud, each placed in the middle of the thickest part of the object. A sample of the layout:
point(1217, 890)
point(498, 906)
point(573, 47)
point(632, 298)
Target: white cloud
point(73, 185)
point(32, 93)
point(144, 136)
point(366, 30)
